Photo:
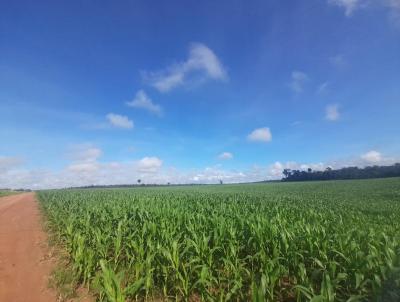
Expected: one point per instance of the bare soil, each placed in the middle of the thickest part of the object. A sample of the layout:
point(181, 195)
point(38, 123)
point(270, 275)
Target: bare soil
point(25, 260)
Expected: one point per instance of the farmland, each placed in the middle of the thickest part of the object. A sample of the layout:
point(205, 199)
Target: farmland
point(326, 241)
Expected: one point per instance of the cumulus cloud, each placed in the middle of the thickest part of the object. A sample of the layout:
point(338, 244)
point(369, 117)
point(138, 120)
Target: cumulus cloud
point(87, 168)
point(201, 64)
point(225, 155)
point(299, 79)
point(332, 112)
point(143, 101)
point(260, 135)
point(119, 121)
point(149, 164)
point(148, 169)
point(152, 171)
point(372, 157)
point(215, 174)
point(275, 170)
point(349, 6)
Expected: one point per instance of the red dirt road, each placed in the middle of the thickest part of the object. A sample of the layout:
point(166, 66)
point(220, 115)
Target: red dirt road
point(24, 263)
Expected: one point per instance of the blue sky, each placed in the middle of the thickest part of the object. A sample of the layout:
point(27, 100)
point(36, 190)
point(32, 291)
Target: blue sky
point(195, 91)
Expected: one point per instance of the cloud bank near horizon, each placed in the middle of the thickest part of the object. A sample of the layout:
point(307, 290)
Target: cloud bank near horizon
point(85, 168)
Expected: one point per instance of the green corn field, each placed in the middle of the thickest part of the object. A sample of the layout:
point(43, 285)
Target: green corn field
point(314, 241)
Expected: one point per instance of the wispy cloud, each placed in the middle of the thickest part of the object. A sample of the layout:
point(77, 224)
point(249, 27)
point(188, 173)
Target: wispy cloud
point(260, 135)
point(323, 88)
point(296, 123)
point(349, 6)
point(201, 64)
point(119, 121)
point(143, 101)
point(338, 61)
point(225, 156)
point(299, 79)
point(85, 152)
point(332, 112)
point(394, 11)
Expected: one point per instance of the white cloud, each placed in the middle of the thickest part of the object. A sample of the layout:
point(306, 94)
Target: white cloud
point(298, 81)
point(84, 152)
point(372, 156)
point(149, 164)
point(215, 174)
point(201, 64)
point(394, 11)
point(84, 167)
point(349, 6)
point(296, 123)
point(225, 155)
point(152, 171)
point(260, 135)
point(8, 162)
point(332, 112)
point(119, 121)
point(323, 88)
point(275, 170)
point(148, 169)
point(143, 101)
point(84, 158)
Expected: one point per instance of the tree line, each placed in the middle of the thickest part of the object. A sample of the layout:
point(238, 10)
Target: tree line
point(343, 173)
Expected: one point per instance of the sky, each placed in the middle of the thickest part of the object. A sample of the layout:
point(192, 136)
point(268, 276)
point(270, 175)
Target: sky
point(111, 92)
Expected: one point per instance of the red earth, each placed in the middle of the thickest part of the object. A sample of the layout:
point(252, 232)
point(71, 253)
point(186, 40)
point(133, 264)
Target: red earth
point(25, 260)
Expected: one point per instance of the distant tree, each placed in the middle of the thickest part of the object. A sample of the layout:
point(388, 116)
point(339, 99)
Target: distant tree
point(139, 181)
point(343, 173)
point(286, 172)
point(221, 182)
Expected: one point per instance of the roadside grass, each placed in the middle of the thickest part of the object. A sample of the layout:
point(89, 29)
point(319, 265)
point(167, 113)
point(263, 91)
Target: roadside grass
point(7, 192)
point(63, 282)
